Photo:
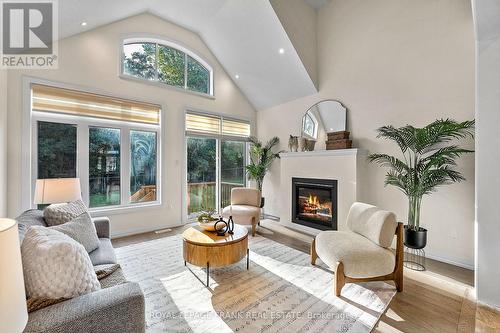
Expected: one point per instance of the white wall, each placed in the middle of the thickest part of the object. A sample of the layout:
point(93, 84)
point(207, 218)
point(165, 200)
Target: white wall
point(394, 62)
point(300, 23)
point(91, 59)
point(3, 143)
point(488, 154)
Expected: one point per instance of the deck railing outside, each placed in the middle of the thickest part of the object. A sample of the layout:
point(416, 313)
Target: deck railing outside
point(202, 196)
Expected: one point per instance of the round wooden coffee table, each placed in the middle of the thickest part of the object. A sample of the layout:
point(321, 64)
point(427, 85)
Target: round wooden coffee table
point(205, 249)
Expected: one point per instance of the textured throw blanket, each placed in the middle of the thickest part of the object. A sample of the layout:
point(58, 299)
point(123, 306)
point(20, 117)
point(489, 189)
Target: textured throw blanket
point(101, 271)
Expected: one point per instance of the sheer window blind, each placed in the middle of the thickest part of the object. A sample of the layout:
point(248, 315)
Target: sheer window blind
point(235, 128)
point(67, 101)
point(202, 124)
point(208, 124)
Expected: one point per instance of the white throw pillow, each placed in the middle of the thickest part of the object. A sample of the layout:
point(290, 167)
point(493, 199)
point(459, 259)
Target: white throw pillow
point(56, 266)
point(81, 229)
point(56, 214)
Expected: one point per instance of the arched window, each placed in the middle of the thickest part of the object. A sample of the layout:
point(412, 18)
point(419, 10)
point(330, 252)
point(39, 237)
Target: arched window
point(166, 62)
point(310, 126)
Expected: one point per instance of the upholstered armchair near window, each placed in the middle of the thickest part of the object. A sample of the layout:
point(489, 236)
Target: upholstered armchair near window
point(363, 253)
point(245, 207)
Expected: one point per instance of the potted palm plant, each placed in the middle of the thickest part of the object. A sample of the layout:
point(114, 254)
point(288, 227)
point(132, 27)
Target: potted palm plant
point(429, 161)
point(261, 158)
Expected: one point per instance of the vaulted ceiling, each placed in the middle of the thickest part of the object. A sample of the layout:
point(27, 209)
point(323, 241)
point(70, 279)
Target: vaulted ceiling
point(486, 13)
point(245, 36)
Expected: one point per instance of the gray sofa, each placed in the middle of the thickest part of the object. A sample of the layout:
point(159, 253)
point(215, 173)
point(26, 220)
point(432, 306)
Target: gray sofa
point(117, 307)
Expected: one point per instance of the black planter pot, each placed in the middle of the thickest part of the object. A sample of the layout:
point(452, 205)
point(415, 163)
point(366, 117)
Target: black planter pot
point(415, 239)
point(262, 202)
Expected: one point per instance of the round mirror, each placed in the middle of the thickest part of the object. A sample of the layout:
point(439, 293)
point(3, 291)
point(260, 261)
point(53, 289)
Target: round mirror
point(326, 116)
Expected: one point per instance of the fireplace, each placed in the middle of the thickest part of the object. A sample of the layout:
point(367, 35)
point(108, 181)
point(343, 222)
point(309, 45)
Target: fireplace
point(314, 203)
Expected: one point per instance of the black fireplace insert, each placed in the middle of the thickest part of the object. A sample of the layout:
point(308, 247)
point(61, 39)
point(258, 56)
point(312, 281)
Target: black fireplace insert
point(314, 203)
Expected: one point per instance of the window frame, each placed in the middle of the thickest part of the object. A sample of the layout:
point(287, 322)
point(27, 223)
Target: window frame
point(172, 44)
point(315, 123)
point(219, 138)
point(30, 149)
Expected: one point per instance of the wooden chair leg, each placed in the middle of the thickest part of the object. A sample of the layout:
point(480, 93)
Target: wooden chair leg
point(398, 269)
point(398, 281)
point(314, 255)
point(339, 279)
point(254, 226)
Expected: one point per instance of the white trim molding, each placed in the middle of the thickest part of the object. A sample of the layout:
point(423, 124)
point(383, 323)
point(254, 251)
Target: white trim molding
point(318, 153)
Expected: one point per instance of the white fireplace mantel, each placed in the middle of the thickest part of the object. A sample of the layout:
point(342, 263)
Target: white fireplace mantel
point(337, 152)
point(347, 166)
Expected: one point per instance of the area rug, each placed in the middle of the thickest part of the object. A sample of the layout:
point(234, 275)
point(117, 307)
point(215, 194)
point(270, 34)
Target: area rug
point(281, 292)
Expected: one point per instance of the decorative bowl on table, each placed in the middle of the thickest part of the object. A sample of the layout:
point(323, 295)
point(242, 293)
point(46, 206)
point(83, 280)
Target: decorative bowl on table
point(210, 226)
point(207, 221)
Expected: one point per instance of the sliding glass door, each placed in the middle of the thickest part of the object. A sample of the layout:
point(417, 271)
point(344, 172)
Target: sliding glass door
point(201, 175)
point(232, 170)
point(214, 167)
point(216, 149)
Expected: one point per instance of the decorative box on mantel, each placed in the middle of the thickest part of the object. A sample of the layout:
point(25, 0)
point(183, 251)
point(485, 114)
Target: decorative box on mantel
point(345, 166)
point(338, 140)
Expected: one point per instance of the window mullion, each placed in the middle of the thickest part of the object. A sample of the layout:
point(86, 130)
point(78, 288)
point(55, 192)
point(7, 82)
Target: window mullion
point(82, 160)
point(125, 165)
point(34, 158)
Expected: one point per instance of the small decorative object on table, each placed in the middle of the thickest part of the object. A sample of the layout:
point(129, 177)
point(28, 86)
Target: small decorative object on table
point(230, 222)
point(207, 221)
point(221, 227)
point(206, 217)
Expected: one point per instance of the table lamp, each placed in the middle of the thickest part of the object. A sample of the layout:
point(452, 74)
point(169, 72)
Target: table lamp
point(57, 190)
point(13, 310)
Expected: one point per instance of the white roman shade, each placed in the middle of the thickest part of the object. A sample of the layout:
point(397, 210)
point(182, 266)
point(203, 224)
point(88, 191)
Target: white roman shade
point(235, 128)
point(72, 102)
point(216, 125)
point(202, 123)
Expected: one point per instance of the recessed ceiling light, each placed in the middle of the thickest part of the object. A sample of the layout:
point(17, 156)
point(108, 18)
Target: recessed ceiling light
point(281, 50)
point(237, 76)
point(83, 24)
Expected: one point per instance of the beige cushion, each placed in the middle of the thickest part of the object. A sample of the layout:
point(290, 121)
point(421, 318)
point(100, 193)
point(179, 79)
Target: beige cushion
point(56, 266)
point(243, 214)
point(361, 257)
point(56, 214)
point(245, 196)
point(375, 224)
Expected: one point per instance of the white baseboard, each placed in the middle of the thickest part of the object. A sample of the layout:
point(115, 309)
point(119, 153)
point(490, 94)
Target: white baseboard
point(491, 307)
point(453, 262)
point(142, 230)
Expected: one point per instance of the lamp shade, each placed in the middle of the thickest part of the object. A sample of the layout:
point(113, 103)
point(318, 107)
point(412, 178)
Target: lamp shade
point(13, 310)
point(49, 191)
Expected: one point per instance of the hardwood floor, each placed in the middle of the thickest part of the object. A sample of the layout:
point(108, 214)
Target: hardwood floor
point(440, 299)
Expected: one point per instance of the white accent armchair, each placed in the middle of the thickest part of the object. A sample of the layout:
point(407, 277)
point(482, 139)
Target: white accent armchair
point(245, 206)
point(363, 253)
